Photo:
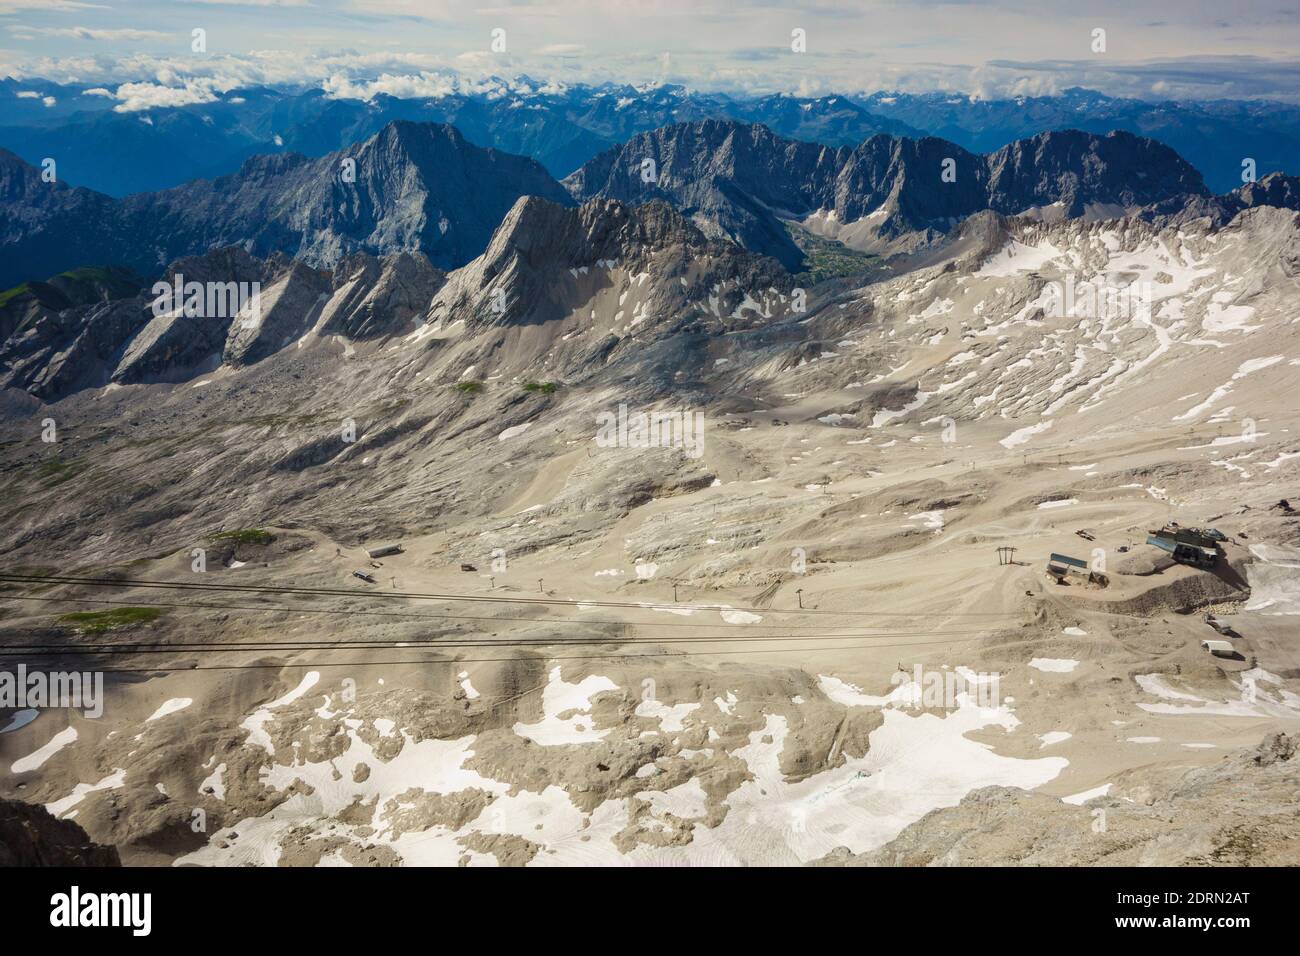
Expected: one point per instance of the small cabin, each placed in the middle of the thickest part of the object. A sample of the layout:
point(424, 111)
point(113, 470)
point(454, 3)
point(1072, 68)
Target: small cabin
point(384, 551)
point(1220, 648)
point(1198, 556)
point(1060, 565)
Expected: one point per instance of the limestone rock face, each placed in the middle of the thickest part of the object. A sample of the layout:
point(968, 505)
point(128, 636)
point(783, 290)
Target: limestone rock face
point(740, 180)
point(542, 251)
point(64, 346)
point(411, 187)
point(1240, 812)
point(372, 297)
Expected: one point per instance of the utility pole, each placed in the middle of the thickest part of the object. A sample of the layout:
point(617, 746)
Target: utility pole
point(799, 594)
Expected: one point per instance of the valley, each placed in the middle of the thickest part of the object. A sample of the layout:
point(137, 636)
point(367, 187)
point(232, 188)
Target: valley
point(622, 652)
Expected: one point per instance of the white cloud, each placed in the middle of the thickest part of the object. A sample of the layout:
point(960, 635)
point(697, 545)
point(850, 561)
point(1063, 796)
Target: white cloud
point(363, 48)
point(33, 95)
point(257, 3)
point(354, 75)
point(424, 85)
point(431, 84)
point(134, 97)
point(85, 33)
point(563, 49)
point(18, 6)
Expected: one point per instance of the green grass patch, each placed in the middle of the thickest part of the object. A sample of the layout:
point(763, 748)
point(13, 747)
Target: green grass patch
point(8, 294)
point(827, 258)
point(546, 388)
point(469, 388)
point(245, 536)
point(33, 570)
point(83, 284)
point(56, 471)
point(87, 279)
point(97, 622)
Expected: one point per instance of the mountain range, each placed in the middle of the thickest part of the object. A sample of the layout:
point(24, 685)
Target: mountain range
point(419, 187)
point(116, 148)
point(743, 181)
point(125, 152)
point(409, 187)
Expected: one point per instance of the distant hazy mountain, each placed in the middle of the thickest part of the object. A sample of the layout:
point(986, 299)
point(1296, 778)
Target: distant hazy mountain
point(832, 120)
point(417, 186)
point(741, 181)
point(1213, 135)
point(121, 153)
point(410, 187)
point(563, 127)
point(47, 227)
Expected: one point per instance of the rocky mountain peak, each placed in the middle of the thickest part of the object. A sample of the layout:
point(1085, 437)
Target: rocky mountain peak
point(411, 187)
point(1076, 170)
point(741, 181)
point(1275, 189)
point(518, 277)
point(270, 166)
point(377, 296)
point(120, 332)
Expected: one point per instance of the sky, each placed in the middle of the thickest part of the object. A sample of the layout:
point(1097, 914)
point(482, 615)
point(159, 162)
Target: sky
point(141, 51)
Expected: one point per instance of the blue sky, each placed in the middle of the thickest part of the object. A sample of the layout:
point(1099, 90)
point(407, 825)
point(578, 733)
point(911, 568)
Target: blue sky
point(1154, 50)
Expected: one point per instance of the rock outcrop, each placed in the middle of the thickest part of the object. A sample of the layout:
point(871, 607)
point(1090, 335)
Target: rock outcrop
point(521, 278)
point(411, 187)
point(1239, 812)
point(739, 180)
point(251, 309)
point(31, 836)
